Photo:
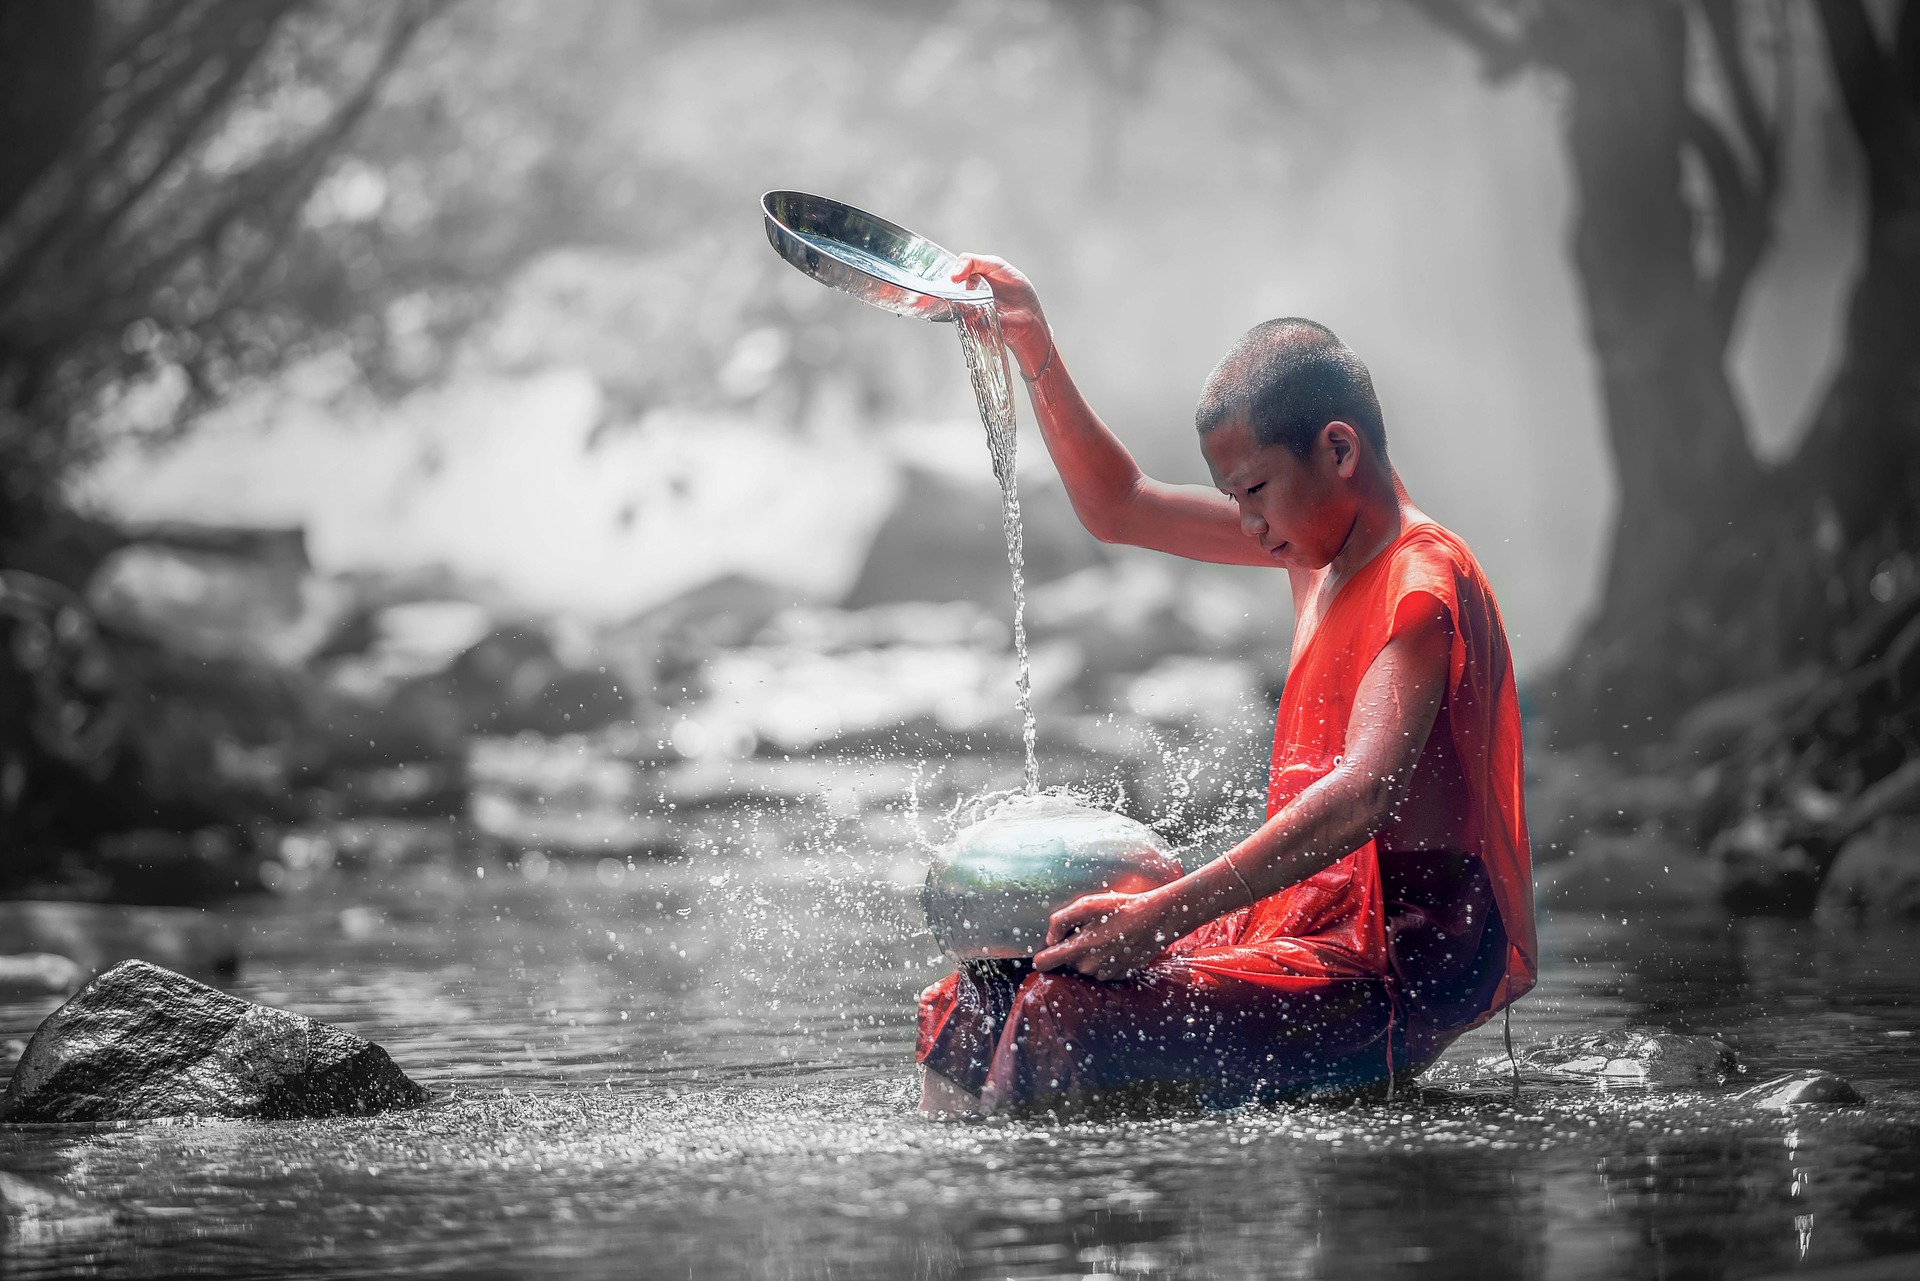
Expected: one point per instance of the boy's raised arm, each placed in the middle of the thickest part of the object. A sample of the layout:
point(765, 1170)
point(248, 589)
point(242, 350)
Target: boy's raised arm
point(1115, 500)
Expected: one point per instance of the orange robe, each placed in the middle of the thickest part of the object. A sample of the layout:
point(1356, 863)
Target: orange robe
point(1307, 988)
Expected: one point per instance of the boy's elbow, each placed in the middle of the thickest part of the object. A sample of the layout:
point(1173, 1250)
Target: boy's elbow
point(1105, 524)
point(1108, 519)
point(1378, 799)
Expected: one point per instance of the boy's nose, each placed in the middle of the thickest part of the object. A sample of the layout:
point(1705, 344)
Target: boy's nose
point(1252, 523)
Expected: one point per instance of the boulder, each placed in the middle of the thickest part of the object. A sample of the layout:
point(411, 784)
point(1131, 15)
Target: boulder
point(1801, 1089)
point(140, 1042)
point(1615, 873)
point(219, 593)
point(98, 935)
point(943, 542)
point(1876, 876)
point(512, 681)
point(1718, 724)
point(38, 974)
point(1767, 866)
point(1628, 1056)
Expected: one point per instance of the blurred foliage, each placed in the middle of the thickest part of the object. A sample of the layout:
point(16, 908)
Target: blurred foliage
point(158, 157)
point(197, 192)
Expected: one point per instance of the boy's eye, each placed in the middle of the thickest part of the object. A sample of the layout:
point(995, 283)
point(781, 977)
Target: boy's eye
point(1254, 489)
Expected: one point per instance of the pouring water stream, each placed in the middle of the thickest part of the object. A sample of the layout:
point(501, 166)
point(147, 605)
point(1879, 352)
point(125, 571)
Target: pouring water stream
point(979, 328)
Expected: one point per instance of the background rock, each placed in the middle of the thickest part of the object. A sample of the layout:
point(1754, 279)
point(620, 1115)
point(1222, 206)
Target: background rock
point(1876, 876)
point(1628, 873)
point(220, 593)
point(942, 542)
point(141, 1042)
point(38, 974)
point(96, 935)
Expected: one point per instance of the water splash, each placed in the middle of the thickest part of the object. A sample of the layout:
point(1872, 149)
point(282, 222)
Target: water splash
point(979, 328)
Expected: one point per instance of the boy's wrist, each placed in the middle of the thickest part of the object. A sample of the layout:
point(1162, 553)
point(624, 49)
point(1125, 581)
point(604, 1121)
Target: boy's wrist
point(1036, 356)
point(1036, 374)
point(1170, 907)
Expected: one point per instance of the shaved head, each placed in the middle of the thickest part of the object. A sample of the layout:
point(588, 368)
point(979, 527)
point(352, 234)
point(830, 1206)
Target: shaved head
point(1291, 377)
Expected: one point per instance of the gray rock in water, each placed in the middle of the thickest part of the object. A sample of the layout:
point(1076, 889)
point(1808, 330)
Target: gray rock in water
point(141, 1042)
point(1800, 1089)
point(1631, 1056)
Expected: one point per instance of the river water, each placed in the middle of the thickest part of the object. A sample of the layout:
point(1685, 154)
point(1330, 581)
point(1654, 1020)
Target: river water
point(702, 1068)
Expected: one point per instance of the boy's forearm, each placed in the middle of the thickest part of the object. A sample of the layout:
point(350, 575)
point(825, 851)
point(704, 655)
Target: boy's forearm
point(1324, 824)
point(1100, 475)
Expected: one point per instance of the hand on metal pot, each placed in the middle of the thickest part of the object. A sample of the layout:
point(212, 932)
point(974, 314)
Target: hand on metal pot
point(1105, 936)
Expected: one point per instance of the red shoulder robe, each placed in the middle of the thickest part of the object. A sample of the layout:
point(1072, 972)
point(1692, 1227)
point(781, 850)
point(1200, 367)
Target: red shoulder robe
point(1332, 925)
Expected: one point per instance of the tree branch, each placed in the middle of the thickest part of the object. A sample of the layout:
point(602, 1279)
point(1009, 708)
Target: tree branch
point(159, 16)
point(1503, 54)
point(1746, 216)
point(1906, 51)
point(67, 225)
point(251, 43)
point(1233, 49)
point(1723, 30)
point(45, 90)
point(1863, 75)
point(285, 181)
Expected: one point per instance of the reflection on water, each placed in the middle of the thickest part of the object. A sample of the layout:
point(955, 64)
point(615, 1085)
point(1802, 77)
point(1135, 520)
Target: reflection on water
point(702, 1069)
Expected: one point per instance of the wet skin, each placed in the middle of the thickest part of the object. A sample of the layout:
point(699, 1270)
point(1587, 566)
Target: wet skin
point(1322, 518)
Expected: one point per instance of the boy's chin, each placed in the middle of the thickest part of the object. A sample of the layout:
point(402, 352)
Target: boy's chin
point(1293, 556)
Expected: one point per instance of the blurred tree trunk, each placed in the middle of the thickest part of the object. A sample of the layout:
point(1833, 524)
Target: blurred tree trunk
point(1659, 326)
point(1720, 571)
point(1861, 460)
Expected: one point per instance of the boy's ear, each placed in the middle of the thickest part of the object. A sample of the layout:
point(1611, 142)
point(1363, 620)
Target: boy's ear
point(1344, 444)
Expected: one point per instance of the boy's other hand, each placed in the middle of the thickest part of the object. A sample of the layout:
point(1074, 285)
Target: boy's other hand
point(1104, 936)
point(1022, 322)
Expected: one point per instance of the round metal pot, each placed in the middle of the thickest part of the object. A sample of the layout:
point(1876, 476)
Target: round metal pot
point(991, 889)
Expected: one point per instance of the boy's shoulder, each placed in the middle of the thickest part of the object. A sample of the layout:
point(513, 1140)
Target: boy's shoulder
point(1432, 556)
point(1428, 543)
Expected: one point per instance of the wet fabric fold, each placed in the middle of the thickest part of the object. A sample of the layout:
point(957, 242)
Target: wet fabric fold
point(1342, 980)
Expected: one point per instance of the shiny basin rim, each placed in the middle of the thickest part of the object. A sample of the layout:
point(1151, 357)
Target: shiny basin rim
point(944, 291)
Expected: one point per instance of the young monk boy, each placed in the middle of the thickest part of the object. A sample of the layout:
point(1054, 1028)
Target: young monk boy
point(1386, 904)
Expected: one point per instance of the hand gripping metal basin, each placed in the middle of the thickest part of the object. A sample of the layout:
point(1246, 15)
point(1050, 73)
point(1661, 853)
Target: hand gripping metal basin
point(990, 891)
point(865, 255)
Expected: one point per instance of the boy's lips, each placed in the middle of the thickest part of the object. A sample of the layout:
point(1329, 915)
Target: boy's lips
point(1275, 550)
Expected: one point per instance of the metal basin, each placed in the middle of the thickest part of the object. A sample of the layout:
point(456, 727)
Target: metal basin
point(990, 891)
point(865, 255)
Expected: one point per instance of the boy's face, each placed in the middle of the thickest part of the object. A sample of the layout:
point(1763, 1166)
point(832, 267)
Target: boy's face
point(1300, 510)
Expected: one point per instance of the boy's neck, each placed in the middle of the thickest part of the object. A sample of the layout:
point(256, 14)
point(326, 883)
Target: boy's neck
point(1383, 513)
